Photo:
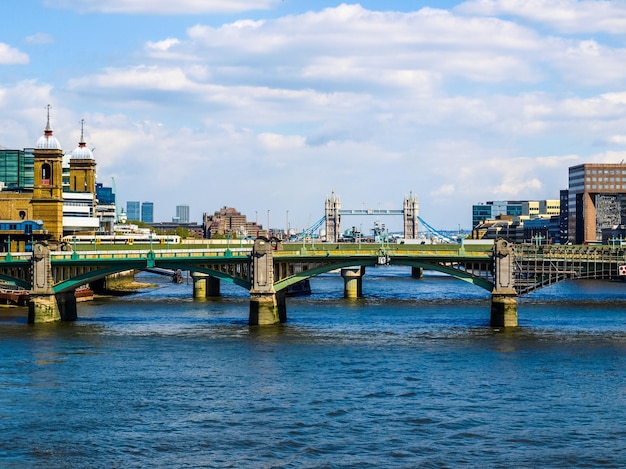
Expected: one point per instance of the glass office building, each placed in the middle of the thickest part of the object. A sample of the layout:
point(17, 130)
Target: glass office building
point(132, 210)
point(147, 212)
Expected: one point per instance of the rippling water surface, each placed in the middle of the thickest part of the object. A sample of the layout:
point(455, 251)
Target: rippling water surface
point(409, 376)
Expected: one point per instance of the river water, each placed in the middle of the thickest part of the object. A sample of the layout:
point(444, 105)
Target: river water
point(409, 376)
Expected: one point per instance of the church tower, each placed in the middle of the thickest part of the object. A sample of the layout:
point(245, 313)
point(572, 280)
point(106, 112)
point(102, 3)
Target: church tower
point(47, 201)
point(82, 167)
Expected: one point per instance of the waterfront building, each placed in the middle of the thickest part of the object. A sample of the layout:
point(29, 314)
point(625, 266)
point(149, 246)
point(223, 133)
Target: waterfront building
point(518, 210)
point(105, 195)
point(229, 222)
point(42, 190)
point(17, 168)
point(105, 209)
point(597, 200)
point(502, 226)
point(193, 230)
point(182, 214)
point(542, 230)
point(492, 209)
point(79, 197)
point(564, 216)
point(147, 212)
point(133, 210)
point(19, 235)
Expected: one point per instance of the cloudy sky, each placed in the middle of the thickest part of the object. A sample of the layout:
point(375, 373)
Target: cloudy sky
point(273, 104)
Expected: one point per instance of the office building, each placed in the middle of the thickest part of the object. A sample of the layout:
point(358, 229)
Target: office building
point(516, 209)
point(182, 214)
point(597, 200)
point(147, 212)
point(106, 209)
point(17, 168)
point(133, 210)
point(229, 222)
point(564, 217)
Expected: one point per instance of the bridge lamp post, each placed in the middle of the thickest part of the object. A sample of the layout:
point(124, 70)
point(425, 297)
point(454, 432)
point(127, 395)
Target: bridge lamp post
point(268, 223)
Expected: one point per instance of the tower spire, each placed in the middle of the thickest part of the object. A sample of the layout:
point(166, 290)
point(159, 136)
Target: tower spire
point(82, 142)
point(48, 129)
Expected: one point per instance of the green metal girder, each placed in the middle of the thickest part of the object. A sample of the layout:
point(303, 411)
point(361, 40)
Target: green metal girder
point(459, 274)
point(302, 275)
point(112, 266)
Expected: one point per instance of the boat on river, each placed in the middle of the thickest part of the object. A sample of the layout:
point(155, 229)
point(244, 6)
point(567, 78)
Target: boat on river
point(12, 295)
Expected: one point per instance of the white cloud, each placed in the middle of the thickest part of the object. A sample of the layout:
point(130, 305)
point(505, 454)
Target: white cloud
point(273, 112)
point(10, 55)
point(569, 16)
point(40, 38)
point(160, 7)
point(354, 45)
point(139, 77)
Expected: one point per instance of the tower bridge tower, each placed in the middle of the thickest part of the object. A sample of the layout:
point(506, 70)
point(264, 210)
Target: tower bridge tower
point(333, 216)
point(411, 211)
point(333, 205)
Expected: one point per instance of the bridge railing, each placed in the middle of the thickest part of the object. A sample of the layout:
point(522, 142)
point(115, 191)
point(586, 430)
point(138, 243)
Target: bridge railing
point(155, 254)
point(16, 256)
point(443, 250)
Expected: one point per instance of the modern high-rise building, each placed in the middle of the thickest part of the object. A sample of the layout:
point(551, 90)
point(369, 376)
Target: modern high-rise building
point(17, 168)
point(106, 209)
point(147, 212)
point(182, 213)
point(133, 210)
point(514, 208)
point(597, 200)
point(564, 216)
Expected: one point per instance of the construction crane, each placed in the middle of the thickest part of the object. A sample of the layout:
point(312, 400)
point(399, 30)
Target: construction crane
point(115, 196)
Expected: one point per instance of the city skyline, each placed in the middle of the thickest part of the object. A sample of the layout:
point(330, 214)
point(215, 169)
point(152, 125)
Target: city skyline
point(273, 107)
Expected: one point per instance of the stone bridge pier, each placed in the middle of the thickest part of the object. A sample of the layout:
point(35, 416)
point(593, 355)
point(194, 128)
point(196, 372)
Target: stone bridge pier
point(353, 281)
point(44, 305)
point(266, 306)
point(205, 286)
point(503, 295)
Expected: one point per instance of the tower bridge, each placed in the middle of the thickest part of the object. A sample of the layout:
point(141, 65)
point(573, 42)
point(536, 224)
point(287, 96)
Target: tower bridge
point(269, 268)
point(333, 213)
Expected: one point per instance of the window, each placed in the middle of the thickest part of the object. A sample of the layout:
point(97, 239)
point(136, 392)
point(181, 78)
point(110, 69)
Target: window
point(46, 174)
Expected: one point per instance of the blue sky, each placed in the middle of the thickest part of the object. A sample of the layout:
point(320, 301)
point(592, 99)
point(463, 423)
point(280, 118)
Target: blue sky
point(273, 104)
